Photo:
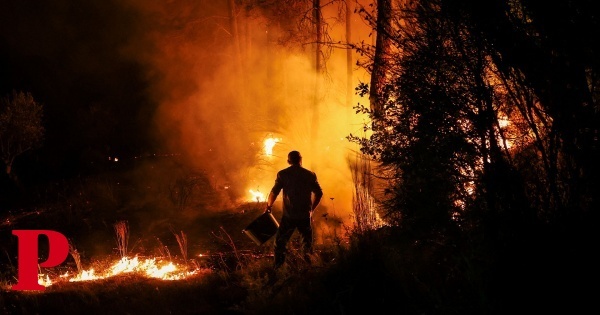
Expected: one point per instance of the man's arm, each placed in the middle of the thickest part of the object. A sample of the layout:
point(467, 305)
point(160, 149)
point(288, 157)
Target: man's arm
point(270, 201)
point(318, 194)
point(273, 193)
point(316, 201)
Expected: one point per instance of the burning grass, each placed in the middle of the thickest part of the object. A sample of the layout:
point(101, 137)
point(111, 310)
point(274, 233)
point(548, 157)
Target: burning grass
point(380, 271)
point(221, 271)
point(232, 275)
point(149, 267)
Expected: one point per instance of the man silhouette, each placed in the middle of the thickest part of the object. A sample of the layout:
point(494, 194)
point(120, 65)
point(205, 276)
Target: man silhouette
point(301, 196)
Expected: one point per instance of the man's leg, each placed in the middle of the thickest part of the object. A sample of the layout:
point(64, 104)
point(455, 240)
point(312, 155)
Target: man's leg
point(306, 231)
point(283, 235)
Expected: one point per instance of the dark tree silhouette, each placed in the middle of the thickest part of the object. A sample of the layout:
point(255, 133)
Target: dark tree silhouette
point(488, 136)
point(21, 127)
point(488, 117)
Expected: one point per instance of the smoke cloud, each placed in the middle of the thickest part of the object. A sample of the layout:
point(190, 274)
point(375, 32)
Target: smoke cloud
point(202, 90)
point(221, 94)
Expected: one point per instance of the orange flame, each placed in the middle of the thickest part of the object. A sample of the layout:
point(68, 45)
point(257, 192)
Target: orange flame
point(269, 144)
point(148, 267)
point(257, 196)
point(44, 280)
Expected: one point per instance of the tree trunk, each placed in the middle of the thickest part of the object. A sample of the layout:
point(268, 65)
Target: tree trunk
point(318, 69)
point(380, 63)
point(247, 38)
point(235, 34)
point(349, 87)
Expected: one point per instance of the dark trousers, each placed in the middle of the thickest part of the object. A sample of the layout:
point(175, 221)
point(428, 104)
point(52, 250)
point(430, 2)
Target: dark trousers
point(284, 233)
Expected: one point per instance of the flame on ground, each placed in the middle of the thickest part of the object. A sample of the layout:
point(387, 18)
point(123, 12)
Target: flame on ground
point(44, 280)
point(148, 267)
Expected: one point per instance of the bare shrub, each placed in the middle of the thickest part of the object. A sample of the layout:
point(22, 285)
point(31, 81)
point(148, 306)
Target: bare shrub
point(226, 238)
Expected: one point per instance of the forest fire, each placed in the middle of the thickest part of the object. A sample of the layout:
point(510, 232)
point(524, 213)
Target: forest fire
point(269, 144)
point(149, 267)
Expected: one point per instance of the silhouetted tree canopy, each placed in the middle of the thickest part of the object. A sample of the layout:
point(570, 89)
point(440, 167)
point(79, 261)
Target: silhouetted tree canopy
point(490, 116)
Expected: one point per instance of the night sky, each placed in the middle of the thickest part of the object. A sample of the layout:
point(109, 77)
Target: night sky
point(88, 64)
point(70, 56)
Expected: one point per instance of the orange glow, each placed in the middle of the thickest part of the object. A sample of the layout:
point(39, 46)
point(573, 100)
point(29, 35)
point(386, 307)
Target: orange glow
point(269, 144)
point(275, 101)
point(257, 196)
point(503, 121)
point(150, 267)
point(507, 129)
point(44, 280)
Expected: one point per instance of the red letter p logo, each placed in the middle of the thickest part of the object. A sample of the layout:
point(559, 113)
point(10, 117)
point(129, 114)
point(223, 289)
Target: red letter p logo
point(58, 249)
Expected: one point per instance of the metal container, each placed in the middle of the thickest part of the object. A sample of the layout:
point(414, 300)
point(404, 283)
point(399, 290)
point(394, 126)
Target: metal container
point(262, 228)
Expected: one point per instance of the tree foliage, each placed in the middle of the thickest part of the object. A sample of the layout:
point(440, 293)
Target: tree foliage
point(490, 116)
point(21, 127)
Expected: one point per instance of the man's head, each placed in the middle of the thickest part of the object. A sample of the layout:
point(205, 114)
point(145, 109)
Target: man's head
point(294, 158)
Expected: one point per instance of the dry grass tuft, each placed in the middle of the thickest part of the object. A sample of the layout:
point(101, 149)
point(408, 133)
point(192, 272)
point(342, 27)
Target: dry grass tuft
point(224, 237)
point(363, 204)
point(183, 247)
point(76, 257)
point(122, 233)
point(163, 250)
